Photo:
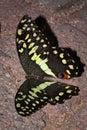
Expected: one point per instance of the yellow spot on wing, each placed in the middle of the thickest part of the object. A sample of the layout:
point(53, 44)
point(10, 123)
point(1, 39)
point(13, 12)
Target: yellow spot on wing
point(57, 98)
point(33, 50)
point(28, 29)
point(34, 35)
point(21, 112)
point(44, 53)
point(53, 47)
point(45, 97)
point(38, 38)
point(24, 45)
point(32, 108)
point(23, 28)
point(27, 36)
point(25, 25)
point(26, 107)
point(71, 67)
point(69, 91)
point(48, 53)
point(27, 112)
point(32, 24)
point(31, 45)
point(20, 41)
point(44, 85)
point(76, 73)
point(18, 105)
point(34, 56)
point(21, 50)
point(35, 90)
point(37, 102)
point(30, 97)
point(21, 93)
point(33, 104)
point(61, 94)
point(33, 29)
point(26, 102)
point(64, 61)
point(38, 56)
point(68, 76)
point(17, 40)
point(22, 98)
point(43, 61)
point(19, 31)
point(55, 52)
point(42, 40)
point(49, 72)
point(33, 94)
point(29, 20)
point(44, 45)
point(61, 55)
point(73, 61)
point(38, 60)
point(68, 71)
point(29, 40)
point(67, 87)
point(44, 67)
point(41, 100)
point(76, 67)
point(23, 20)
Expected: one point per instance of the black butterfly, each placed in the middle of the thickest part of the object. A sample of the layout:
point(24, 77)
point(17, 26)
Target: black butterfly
point(40, 59)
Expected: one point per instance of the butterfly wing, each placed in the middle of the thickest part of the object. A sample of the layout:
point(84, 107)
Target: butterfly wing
point(43, 25)
point(59, 92)
point(35, 51)
point(36, 93)
point(30, 97)
point(30, 42)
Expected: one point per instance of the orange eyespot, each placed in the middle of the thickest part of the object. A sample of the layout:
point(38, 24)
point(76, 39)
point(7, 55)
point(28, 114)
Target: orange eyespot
point(63, 76)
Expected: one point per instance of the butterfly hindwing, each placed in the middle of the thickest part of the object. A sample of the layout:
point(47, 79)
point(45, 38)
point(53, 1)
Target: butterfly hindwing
point(59, 92)
point(35, 94)
point(30, 97)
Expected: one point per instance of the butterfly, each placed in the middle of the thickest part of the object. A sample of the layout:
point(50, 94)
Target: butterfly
point(42, 59)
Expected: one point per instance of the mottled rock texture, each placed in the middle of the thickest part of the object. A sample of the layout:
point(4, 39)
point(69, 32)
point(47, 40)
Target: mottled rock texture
point(68, 20)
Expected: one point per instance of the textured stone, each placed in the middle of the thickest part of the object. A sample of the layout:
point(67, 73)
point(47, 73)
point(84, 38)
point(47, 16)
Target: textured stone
point(68, 20)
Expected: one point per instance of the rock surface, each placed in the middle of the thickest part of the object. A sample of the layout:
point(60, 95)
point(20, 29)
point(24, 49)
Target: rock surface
point(68, 20)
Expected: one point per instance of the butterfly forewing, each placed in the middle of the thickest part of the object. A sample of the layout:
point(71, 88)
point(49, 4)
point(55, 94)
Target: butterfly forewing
point(32, 48)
